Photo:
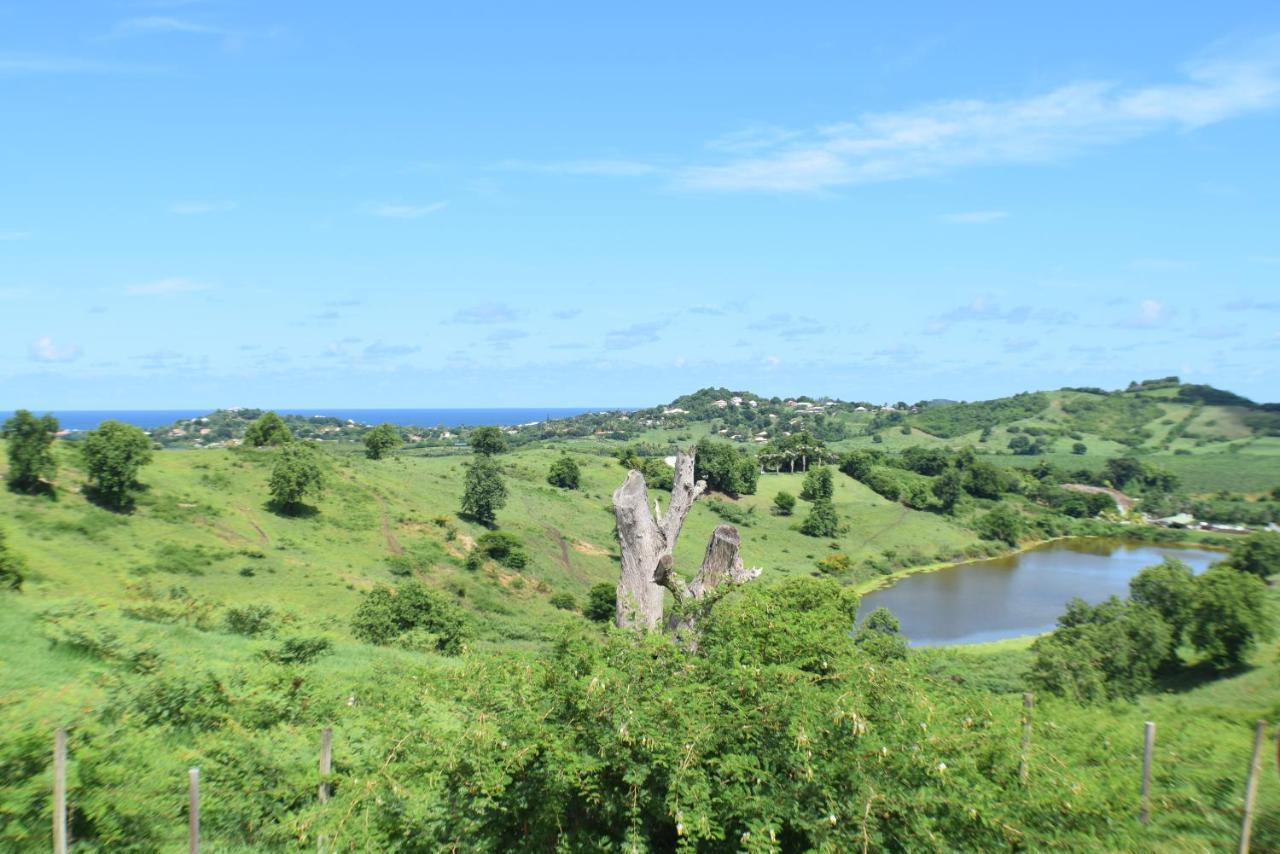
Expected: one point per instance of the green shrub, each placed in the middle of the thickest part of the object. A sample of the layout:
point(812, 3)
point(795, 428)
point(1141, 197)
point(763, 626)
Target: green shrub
point(601, 602)
point(564, 473)
point(385, 616)
point(504, 548)
point(822, 520)
point(835, 564)
point(784, 503)
point(564, 601)
point(299, 650)
point(250, 620)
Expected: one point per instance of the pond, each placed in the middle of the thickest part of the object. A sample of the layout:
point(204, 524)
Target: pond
point(1022, 594)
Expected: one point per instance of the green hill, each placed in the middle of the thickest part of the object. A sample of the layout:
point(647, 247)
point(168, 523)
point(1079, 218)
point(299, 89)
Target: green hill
point(205, 628)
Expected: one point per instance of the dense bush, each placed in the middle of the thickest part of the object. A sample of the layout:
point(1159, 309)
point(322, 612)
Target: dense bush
point(410, 616)
point(1101, 651)
point(299, 650)
point(250, 619)
point(269, 429)
point(1004, 524)
point(1229, 615)
point(822, 520)
point(564, 601)
point(724, 468)
point(381, 440)
point(564, 473)
point(818, 484)
point(1258, 554)
point(601, 602)
point(784, 503)
point(12, 566)
point(504, 548)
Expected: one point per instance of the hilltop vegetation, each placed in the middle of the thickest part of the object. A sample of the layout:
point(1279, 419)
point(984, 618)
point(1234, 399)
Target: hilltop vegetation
point(244, 597)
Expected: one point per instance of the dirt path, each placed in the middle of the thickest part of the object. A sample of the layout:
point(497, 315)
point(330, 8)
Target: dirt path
point(262, 535)
point(902, 515)
point(393, 545)
point(556, 537)
point(1123, 502)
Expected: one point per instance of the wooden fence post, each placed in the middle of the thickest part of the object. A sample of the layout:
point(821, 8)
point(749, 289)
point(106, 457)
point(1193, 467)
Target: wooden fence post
point(1148, 742)
point(60, 792)
point(326, 762)
point(193, 811)
point(1251, 786)
point(1028, 703)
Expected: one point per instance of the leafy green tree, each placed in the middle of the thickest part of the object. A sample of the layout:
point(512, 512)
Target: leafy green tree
point(948, 488)
point(858, 464)
point(411, 616)
point(113, 455)
point(1105, 651)
point(487, 441)
point(1079, 448)
point(269, 429)
point(1258, 554)
point(880, 635)
point(1003, 523)
point(12, 566)
point(295, 475)
point(724, 468)
point(381, 440)
point(1169, 589)
point(565, 473)
point(484, 492)
point(30, 448)
point(602, 602)
point(984, 480)
point(1229, 615)
point(818, 484)
point(822, 520)
point(784, 503)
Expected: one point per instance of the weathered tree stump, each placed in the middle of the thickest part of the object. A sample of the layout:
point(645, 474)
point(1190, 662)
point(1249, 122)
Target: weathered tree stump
point(648, 540)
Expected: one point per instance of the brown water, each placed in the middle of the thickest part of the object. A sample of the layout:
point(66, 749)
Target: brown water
point(1021, 594)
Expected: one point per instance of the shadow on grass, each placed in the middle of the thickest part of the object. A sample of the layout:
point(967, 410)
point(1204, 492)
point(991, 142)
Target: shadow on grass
point(123, 503)
point(1190, 677)
point(39, 489)
point(292, 511)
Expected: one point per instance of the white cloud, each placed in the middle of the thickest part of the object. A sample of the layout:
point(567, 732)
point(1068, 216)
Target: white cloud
point(13, 236)
point(975, 217)
point(1151, 313)
point(195, 208)
point(395, 211)
point(44, 349)
point(160, 24)
point(952, 134)
point(165, 287)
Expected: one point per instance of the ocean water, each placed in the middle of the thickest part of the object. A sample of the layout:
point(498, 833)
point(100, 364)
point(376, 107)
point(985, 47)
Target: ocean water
point(88, 419)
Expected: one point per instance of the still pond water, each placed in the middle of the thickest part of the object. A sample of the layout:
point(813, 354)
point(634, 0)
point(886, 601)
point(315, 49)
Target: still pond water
point(1021, 594)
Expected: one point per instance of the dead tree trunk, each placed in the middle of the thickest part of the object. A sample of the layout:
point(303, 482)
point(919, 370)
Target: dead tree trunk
point(648, 539)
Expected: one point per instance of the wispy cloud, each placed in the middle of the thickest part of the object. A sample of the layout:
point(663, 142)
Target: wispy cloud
point(379, 351)
point(196, 208)
point(975, 217)
point(947, 135)
point(634, 335)
point(43, 349)
point(502, 339)
point(566, 313)
point(167, 287)
point(788, 326)
point(14, 236)
point(1250, 304)
point(488, 313)
point(1151, 314)
point(399, 211)
point(984, 309)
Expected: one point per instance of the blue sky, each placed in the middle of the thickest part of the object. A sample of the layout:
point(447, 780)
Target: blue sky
point(427, 204)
